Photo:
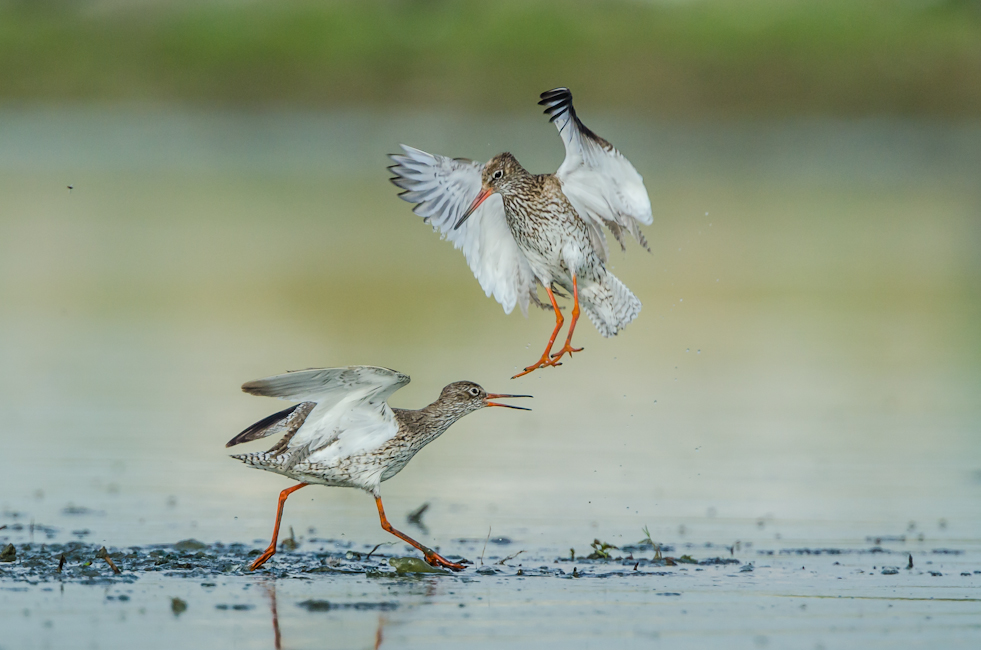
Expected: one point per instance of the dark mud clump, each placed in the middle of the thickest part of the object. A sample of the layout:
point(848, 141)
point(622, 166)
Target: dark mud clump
point(326, 606)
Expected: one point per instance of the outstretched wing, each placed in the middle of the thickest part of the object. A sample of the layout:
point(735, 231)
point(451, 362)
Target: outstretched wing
point(352, 398)
point(286, 421)
point(601, 184)
point(442, 189)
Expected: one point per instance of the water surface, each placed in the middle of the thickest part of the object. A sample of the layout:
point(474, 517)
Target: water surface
point(804, 375)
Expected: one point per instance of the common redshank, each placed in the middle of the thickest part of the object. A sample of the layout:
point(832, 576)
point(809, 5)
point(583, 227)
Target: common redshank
point(343, 433)
point(517, 229)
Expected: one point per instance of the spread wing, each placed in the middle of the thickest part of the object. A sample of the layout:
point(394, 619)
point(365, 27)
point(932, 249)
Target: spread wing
point(352, 398)
point(442, 189)
point(601, 184)
point(286, 421)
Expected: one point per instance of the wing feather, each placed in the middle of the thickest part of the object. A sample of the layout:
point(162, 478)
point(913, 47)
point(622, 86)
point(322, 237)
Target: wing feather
point(353, 398)
point(599, 181)
point(288, 420)
point(442, 189)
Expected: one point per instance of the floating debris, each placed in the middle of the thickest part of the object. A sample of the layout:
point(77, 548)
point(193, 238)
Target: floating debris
point(290, 543)
point(8, 554)
point(510, 557)
point(72, 509)
point(415, 517)
point(326, 606)
point(178, 606)
point(405, 565)
point(102, 554)
point(601, 550)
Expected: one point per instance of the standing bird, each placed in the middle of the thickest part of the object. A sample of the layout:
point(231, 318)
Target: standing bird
point(343, 433)
point(517, 229)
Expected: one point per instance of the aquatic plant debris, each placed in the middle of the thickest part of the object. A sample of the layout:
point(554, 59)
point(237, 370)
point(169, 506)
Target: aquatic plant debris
point(405, 565)
point(601, 550)
point(88, 564)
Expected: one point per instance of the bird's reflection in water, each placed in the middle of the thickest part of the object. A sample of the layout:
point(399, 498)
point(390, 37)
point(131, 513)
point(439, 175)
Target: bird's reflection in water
point(270, 587)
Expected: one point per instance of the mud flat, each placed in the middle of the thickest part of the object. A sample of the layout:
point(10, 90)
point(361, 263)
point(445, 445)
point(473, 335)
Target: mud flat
point(888, 590)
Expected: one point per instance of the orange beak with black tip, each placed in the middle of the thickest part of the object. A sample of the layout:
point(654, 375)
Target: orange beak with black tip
point(484, 193)
point(491, 396)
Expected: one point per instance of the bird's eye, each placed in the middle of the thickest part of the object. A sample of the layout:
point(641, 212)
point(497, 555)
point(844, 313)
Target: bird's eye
point(498, 174)
point(475, 391)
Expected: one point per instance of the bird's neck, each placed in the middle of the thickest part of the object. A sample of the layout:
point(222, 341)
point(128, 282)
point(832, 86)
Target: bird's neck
point(429, 422)
point(522, 183)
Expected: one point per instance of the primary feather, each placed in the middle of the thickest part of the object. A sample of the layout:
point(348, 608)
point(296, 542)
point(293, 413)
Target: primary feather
point(443, 188)
point(598, 180)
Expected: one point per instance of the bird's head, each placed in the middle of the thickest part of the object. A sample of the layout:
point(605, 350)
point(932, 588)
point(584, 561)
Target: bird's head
point(501, 175)
point(469, 397)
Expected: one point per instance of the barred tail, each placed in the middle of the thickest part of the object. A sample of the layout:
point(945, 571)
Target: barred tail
point(609, 304)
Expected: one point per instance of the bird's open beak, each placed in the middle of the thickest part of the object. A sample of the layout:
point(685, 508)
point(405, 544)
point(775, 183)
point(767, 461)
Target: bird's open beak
point(484, 193)
point(491, 396)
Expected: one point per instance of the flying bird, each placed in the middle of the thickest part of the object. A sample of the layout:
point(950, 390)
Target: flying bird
point(519, 230)
point(343, 433)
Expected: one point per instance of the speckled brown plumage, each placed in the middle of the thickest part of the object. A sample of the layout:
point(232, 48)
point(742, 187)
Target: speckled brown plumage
point(519, 230)
point(343, 433)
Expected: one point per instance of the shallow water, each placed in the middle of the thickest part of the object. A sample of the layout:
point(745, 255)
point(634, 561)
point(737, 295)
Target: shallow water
point(805, 375)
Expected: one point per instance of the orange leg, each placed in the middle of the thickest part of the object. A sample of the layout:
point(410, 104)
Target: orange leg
point(567, 348)
point(434, 558)
point(259, 561)
point(546, 359)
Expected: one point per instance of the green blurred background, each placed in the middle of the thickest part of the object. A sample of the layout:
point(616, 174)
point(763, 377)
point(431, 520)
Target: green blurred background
point(808, 350)
point(683, 58)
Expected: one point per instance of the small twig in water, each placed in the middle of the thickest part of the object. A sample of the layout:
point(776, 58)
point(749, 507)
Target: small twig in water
point(485, 546)
point(510, 557)
point(377, 546)
point(61, 562)
point(2, 527)
point(102, 553)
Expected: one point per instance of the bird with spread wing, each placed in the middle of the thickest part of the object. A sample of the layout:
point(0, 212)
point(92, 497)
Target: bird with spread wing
point(518, 230)
point(343, 433)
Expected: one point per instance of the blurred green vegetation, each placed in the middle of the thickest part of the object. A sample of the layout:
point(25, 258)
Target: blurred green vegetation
point(695, 58)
